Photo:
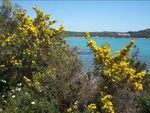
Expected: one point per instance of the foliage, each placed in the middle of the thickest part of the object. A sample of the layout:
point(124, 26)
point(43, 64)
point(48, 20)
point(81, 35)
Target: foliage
point(144, 102)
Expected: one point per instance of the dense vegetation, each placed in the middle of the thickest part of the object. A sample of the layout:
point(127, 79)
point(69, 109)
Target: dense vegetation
point(39, 73)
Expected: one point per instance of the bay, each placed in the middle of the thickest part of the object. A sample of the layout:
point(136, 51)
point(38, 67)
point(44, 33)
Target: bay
point(115, 43)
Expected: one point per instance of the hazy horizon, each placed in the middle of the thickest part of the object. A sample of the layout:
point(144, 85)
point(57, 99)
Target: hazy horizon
point(108, 31)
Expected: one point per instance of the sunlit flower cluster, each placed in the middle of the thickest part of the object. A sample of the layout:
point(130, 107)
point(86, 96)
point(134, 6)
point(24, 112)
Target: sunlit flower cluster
point(27, 28)
point(92, 45)
point(7, 39)
point(34, 27)
point(103, 54)
point(107, 105)
point(120, 69)
point(92, 108)
point(117, 67)
point(87, 35)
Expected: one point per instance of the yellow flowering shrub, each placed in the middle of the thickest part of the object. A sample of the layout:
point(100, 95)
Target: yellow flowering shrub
point(30, 49)
point(115, 69)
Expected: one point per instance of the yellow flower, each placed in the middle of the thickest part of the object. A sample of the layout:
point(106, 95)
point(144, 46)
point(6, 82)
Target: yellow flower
point(69, 110)
point(92, 45)
point(92, 107)
point(107, 104)
point(28, 81)
point(1, 66)
point(87, 35)
point(33, 62)
point(138, 86)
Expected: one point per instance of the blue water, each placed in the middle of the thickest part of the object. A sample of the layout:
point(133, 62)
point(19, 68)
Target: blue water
point(115, 43)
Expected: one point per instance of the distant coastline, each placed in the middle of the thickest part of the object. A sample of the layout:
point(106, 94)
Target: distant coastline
point(132, 34)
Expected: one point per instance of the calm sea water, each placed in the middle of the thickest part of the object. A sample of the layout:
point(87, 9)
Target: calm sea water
point(115, 43)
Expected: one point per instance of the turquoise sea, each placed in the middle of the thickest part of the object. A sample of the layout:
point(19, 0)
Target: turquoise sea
point(116, 44)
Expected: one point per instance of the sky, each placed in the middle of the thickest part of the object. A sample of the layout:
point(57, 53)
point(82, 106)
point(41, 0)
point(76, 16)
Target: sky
point(97, 15)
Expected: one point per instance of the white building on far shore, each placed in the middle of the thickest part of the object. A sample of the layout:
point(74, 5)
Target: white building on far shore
point(123, 34)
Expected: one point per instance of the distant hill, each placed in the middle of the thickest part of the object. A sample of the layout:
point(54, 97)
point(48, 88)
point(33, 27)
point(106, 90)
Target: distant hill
point(142, 33)
point(136, 34)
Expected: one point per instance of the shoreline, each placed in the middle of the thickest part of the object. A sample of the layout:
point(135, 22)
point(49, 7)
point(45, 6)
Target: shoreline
point(110, 37)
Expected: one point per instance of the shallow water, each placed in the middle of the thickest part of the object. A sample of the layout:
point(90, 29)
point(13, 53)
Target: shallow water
point(115, 43)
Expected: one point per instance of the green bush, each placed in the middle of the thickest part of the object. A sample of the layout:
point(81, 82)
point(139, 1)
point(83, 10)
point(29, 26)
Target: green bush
point(25, 100)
